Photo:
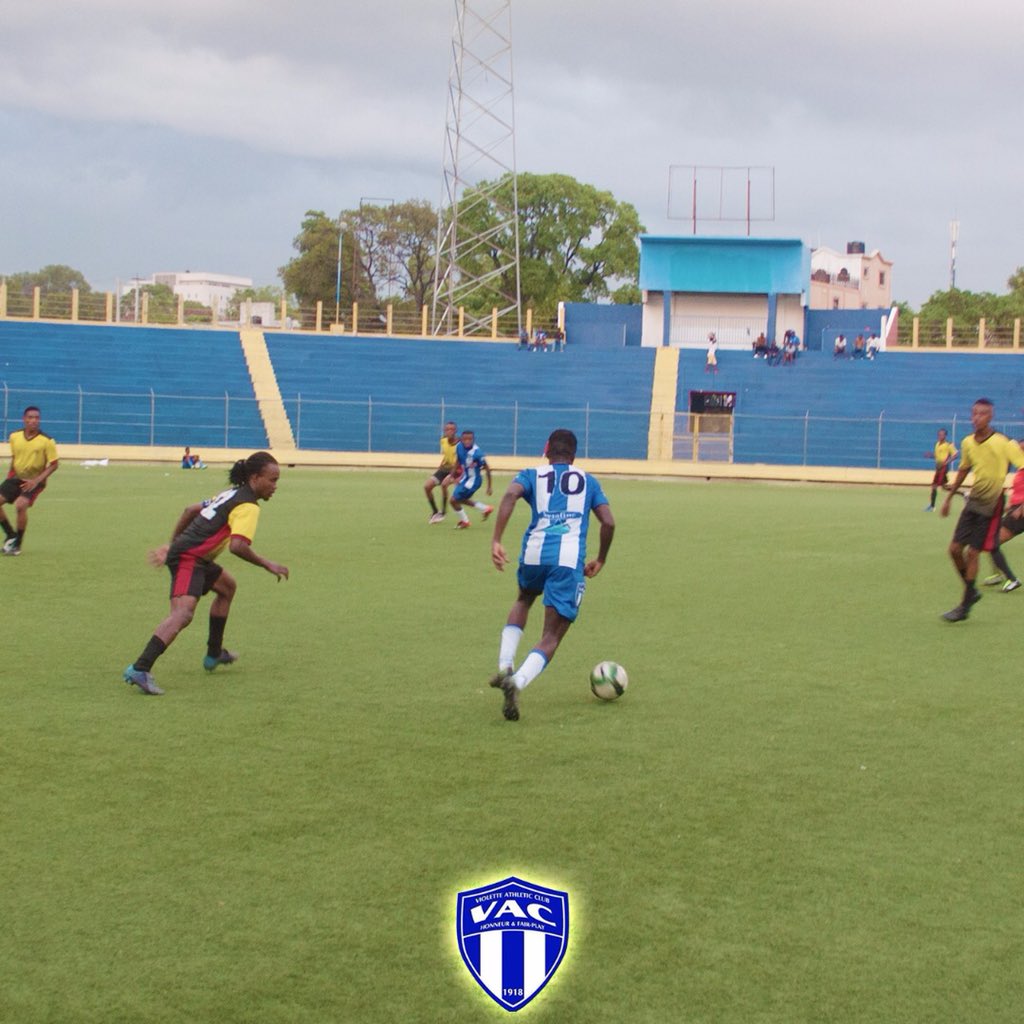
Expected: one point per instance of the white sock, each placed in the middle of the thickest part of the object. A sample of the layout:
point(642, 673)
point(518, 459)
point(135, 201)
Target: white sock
point(532, 667)
point(510, 637)
point(463, 516)
point(480, 505)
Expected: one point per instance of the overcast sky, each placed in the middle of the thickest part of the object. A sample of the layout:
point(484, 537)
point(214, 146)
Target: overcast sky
point(137, 138)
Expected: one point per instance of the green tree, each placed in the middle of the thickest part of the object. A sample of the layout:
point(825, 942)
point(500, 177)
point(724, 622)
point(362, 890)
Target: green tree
point(395, 244)
point(387, 256)
point(264, 293)
point(576, 242)
point(55, 279)
point(312, 275)
point(163, 304)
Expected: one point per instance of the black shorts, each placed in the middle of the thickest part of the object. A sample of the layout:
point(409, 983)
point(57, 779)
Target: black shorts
point(979, 530)
point(192, 576)
point(941, 476)
point(1015, 524)
point(11, 490)
point(442, 474)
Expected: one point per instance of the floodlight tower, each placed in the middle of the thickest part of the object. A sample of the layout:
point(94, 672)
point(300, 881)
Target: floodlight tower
point(477, 227)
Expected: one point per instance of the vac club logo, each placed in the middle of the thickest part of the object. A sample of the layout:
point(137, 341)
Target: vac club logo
point(512, 936)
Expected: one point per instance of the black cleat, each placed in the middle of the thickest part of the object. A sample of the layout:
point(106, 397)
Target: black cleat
point(957, 614)
point(504, 681)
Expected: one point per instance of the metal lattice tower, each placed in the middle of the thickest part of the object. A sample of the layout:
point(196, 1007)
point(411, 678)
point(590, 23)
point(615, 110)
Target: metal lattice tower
point(478, 256)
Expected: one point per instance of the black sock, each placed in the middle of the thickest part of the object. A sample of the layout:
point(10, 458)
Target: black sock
point(934, 492)
point(969, 590)
point(155, 647)
point(8, 529)
point(1002, 564)
point(433, 504)
point(215, 641)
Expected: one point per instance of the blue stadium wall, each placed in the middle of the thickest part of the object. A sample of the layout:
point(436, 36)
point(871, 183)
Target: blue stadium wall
point(164, 386)
point(603, 326)
point(856, 412)
point(821, 326)
point(363, 394)
point(105, 384)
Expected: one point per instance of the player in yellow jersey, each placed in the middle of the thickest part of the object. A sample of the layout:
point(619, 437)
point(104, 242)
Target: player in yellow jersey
point(33, 462)
point(944, 454)
point(449, 442)
point(988, 454)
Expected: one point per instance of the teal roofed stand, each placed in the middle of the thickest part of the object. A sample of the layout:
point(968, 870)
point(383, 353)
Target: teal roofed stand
point(757, 266)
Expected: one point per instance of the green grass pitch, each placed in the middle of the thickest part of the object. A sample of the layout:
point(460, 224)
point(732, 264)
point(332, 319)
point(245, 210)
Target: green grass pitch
point(806, 808)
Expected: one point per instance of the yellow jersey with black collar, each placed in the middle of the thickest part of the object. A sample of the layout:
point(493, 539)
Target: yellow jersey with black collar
point(990, 462)
point(30, 456)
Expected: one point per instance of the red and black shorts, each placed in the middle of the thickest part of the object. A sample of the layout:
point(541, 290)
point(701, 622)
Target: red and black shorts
point(192, 576)
point(1012, 522)
point(979, 530)
point(941, 476)
point(11, 490)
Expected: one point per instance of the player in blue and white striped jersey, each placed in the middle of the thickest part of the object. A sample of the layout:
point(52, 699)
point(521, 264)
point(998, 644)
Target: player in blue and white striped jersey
point(553, 558)
point(471, 463)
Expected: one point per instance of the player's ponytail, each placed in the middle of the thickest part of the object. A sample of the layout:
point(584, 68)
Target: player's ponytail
point(243, 469)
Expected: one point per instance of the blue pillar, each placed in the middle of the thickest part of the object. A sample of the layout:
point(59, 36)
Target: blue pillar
point(666, 318)
point(773, 307)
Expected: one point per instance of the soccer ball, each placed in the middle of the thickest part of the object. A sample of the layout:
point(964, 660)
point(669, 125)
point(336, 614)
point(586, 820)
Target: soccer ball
point(608, 680)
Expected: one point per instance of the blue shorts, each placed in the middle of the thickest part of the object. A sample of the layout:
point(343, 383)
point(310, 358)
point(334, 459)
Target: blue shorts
point(464, 493)
point(562, 587)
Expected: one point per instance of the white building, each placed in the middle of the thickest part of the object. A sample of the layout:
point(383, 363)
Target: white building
point(213, 290)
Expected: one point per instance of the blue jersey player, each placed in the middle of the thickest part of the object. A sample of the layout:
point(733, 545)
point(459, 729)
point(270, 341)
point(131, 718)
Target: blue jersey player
point(553, 558)
point(472, 465)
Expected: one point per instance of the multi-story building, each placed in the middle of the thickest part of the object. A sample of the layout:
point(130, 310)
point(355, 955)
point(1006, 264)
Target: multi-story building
point(852, 280)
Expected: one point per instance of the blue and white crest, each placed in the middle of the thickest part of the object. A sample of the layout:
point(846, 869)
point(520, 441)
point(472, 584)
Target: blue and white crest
point(512, 936)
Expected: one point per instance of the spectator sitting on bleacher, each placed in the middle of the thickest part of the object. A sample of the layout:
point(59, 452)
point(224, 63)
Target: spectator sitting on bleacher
point(789, 347)
point(540, 340)
point(872, 348)
point(774, 353)
point(191, 461)
point(559, 339)
point(524, 338)
point(839, 351)
point(760, 345)
point(858, 347)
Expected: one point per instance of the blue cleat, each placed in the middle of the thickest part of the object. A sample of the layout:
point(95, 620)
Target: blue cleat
point(143, 680)
point(224, 658)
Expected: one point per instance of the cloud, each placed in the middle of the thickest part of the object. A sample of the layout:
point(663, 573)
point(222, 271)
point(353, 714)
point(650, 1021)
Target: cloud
point(880, 121)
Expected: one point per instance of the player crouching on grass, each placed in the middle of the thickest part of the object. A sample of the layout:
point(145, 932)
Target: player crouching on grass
point(33, 461)
point(201, 533)
point(553, 558)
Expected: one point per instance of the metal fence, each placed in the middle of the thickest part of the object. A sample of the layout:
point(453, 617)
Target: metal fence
point(145, 418)
point(149, 418)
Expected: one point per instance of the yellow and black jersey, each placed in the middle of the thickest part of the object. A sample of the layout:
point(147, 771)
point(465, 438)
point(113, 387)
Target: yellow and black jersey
point(30, 456)
point(232, 513)
point(448, 453)
point(990, 460)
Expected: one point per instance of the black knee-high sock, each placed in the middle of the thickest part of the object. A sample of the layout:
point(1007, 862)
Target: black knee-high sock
point(935, 491)
point(215, 641)
point(1002, 564)
point(155, 647)
point(8, 529)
